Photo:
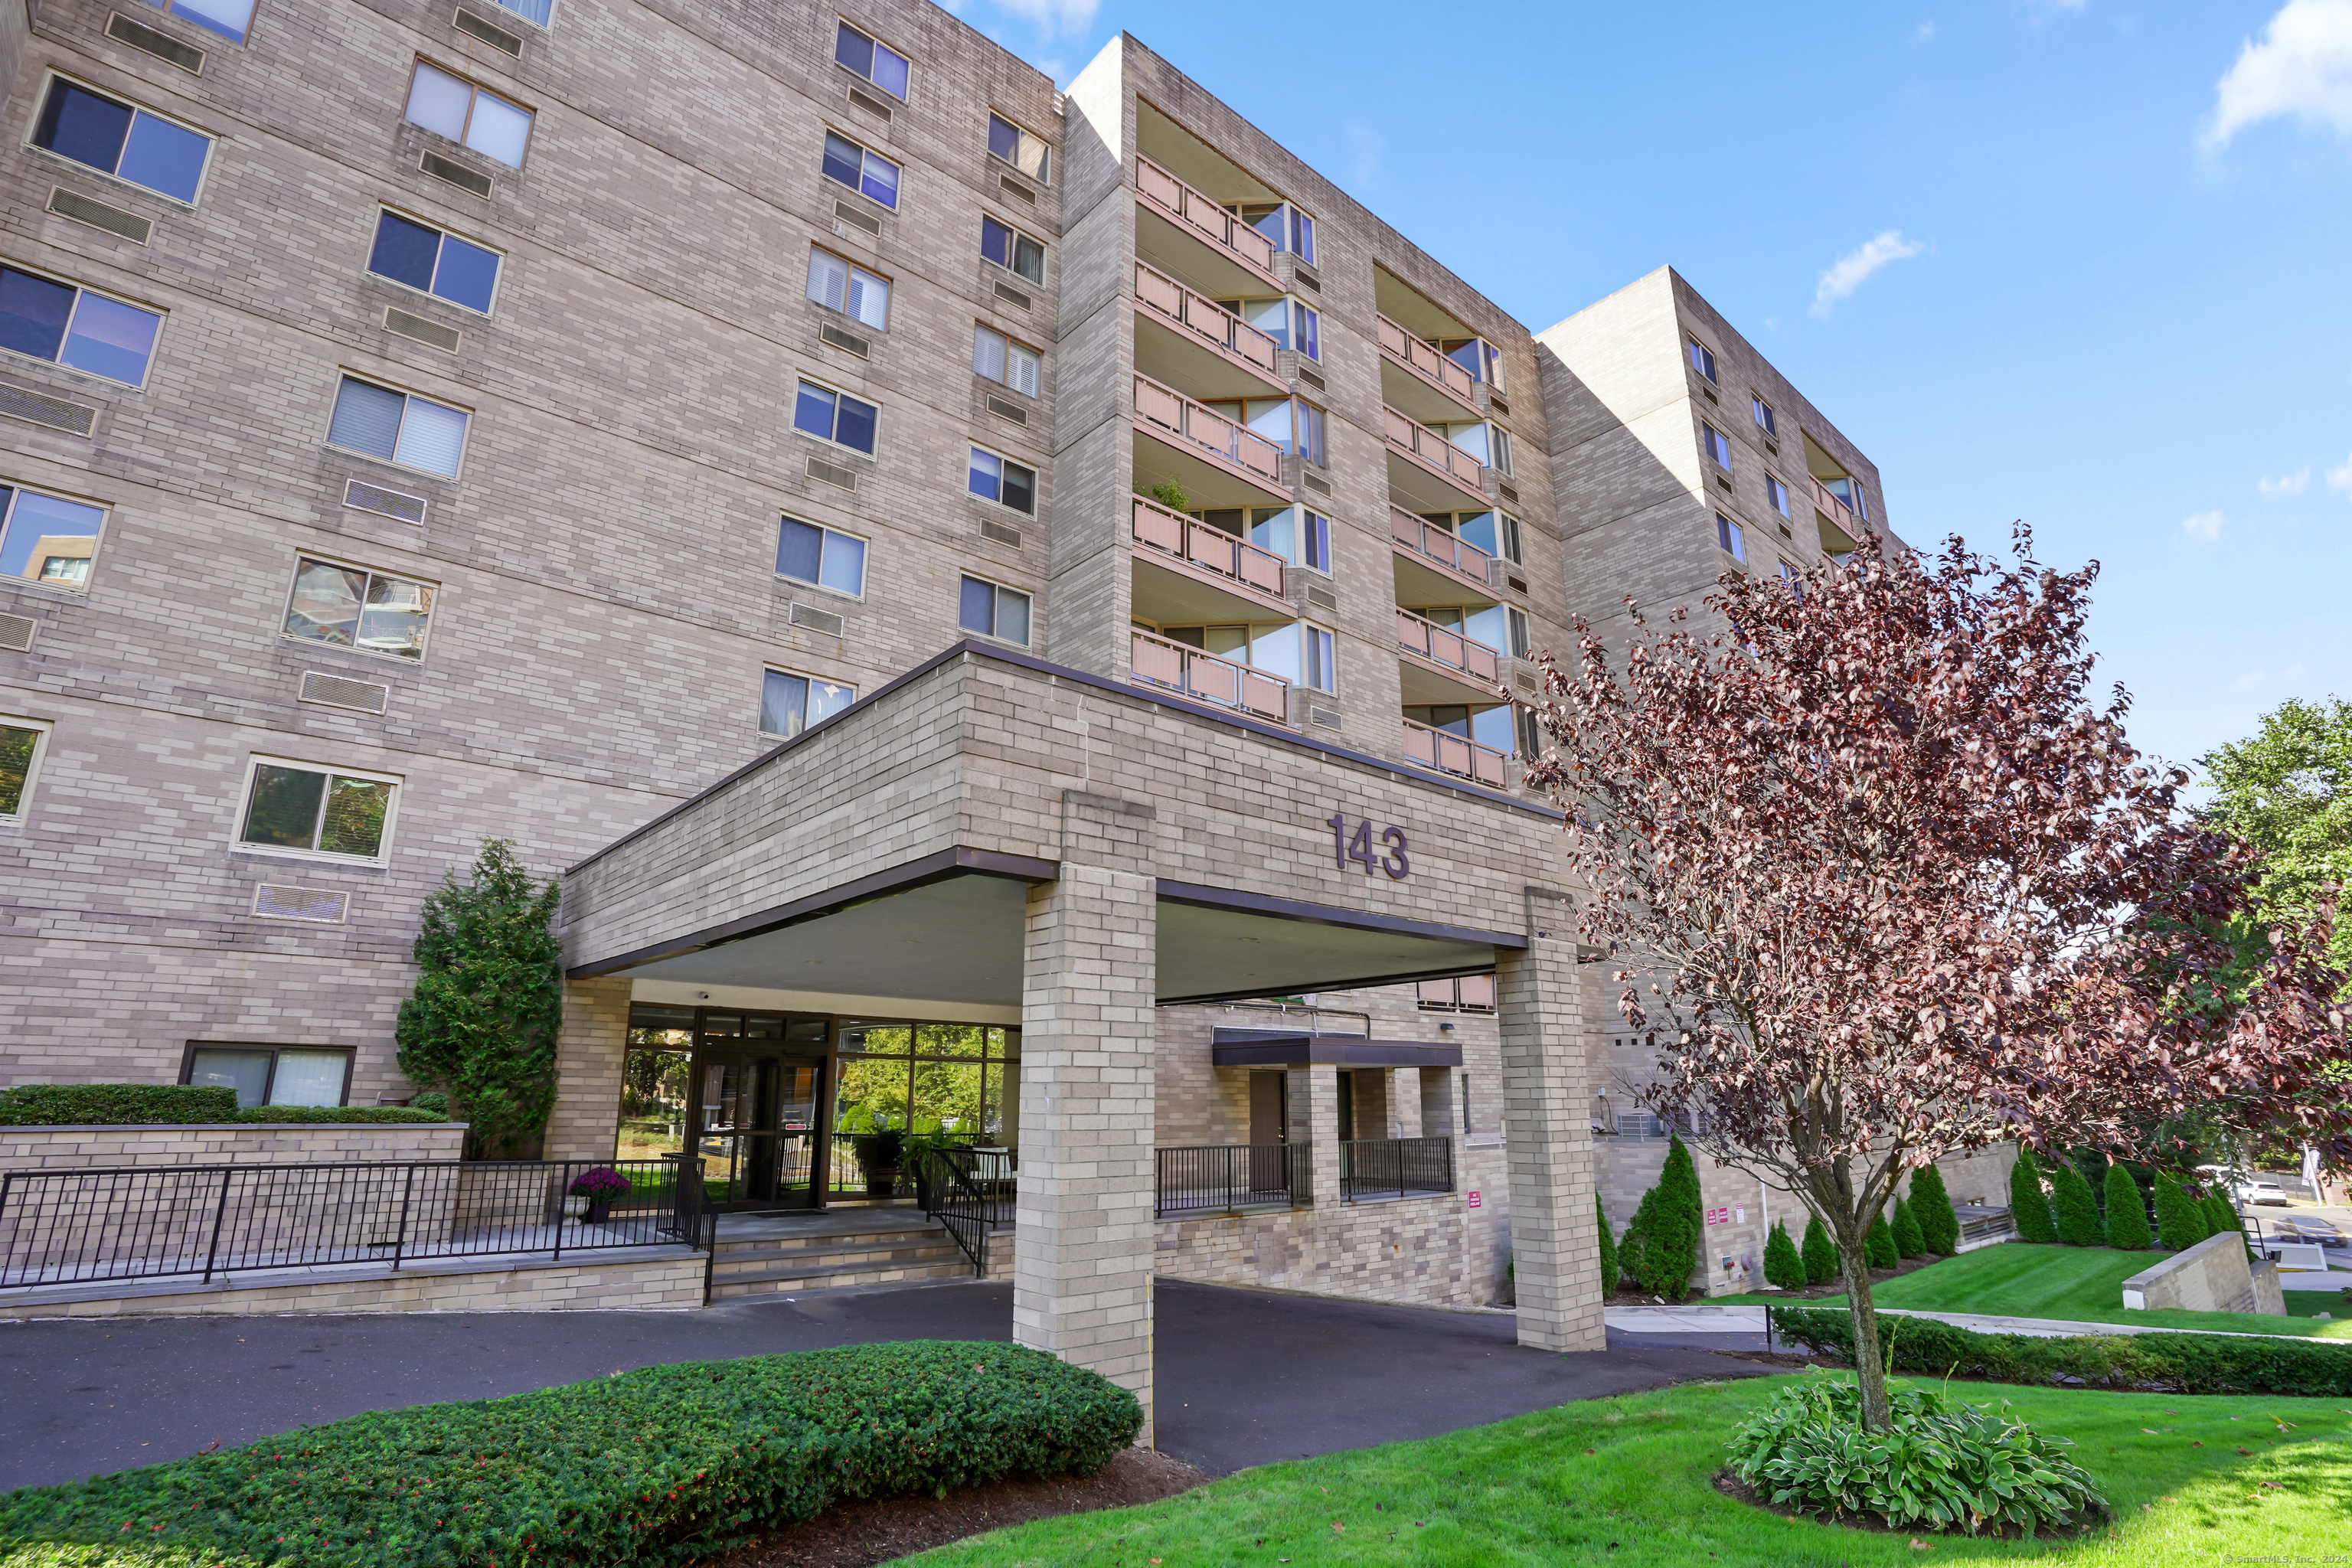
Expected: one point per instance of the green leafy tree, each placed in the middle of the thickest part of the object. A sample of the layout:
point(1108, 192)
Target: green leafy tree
point(1782, 1266)
point(2287, 791)
point(1931, 1205)
point(2180, 1220)
point(1608, 1247)
point(1172, 495)
point(482, 1024)
point(2126, 1212)
point(1909, 1239)
point(2077, 1211)
point(2029, 1205)
point(1668, 1224)
point(1878, 1246)
point(1820, 1253)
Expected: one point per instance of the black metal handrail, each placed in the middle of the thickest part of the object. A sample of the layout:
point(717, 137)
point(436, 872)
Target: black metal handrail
point(77, 1227)
point(1394, 1167)
point(1214, 1177)
point(970, 1191)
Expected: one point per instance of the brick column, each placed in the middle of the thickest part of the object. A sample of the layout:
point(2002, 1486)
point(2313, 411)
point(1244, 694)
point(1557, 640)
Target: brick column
point(1554, 1248)
point(1083, 1244)
point(586, 1121)
point(1315, 1125)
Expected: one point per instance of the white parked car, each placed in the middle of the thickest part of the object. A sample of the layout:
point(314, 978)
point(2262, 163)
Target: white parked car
point(2261, 1192)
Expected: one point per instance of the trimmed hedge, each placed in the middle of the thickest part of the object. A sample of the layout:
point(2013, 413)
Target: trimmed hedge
point(2184, 1363)
point(655, 1467)
point(177, 1104)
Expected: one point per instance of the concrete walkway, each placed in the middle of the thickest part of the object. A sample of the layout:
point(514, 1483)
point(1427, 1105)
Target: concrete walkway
point(1244, 1377)
point(1693, 1318)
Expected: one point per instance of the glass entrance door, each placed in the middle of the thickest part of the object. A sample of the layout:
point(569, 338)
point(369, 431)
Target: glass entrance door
point(755, 1110)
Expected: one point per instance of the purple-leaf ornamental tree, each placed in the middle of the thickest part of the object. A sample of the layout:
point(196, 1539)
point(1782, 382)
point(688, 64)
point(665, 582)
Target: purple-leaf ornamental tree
point(1882, 886)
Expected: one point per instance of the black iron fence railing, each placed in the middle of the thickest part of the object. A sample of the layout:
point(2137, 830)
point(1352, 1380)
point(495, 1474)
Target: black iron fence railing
point(970, 1191)
point(1394, 1167)
point(1224, 1176)
point(72, 1227)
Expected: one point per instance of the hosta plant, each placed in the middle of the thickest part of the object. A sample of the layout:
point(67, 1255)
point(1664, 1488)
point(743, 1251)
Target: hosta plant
point(1941, 1464)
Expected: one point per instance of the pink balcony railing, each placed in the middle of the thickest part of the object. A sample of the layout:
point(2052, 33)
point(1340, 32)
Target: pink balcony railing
point(1453, 754)
point(1189, 421)
point(1426, 538)
point(1452, 649)
point(1212, 548)
point(1423, 359)
point(1203, 318)
point(1156, 662)
point(1827, 503)
point(1432, 450)
point(1193, 211)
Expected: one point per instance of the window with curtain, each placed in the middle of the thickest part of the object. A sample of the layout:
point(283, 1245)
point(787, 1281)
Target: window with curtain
point(846, 287)
point(790, 703)
point(1001, 359)
point(878, 62)
point(1011, 249)
point(472, 116)
point(825, 556)
point(1028, 154)
point(272, 1075)
point(1005, 482)
point(868, 173)
point(994, 611)
point(398, 427)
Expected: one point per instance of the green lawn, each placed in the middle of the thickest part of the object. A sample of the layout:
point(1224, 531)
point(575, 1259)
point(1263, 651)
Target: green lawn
point(2078, 1284)
point(1625, 1482)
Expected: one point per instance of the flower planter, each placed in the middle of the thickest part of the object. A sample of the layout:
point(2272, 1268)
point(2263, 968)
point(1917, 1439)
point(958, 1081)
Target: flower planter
point(599, 1210)
point(881, 1180)
point(575, 1208)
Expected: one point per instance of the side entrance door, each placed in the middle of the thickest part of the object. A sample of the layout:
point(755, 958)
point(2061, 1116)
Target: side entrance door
point(755, 1108)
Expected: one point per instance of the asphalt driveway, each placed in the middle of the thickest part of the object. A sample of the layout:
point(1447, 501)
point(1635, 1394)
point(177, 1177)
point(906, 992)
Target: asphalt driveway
point(1245, 1377)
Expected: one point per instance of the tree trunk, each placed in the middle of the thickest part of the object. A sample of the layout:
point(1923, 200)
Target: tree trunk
point(1869, 1366)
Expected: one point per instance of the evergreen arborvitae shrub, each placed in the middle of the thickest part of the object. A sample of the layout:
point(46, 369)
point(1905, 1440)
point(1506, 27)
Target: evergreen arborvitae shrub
point(482, 1025)
point(2076, 1211)
point(1878, 1248)
point(1670, 1219)
point(1608, 1247)
point(1931, 1205)
point(1909, 1241)
point(2029, 1205)
point(2180, 1220)
point(2126, 1211)
point(1818, 1252)
point(2220, 1213)
point(1782, 1266)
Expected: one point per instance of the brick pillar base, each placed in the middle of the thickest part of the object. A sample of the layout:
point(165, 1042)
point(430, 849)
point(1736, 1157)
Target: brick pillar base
point(586, 1121)
point(1555, 1246)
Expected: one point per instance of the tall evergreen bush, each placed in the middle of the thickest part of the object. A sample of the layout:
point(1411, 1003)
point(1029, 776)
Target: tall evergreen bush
point(2128, 1212)
point(1878, 1246)
point(1818, 1252)
point(2220, 1213)
point(1931, 1205)
point(481, 1026)
point(1908, 1239)
point(2029, 1205)
point(2180, 1220)
point(1608, 1247)
point(2078, 1212)
point(1782, 1266)
point(1668, 1224)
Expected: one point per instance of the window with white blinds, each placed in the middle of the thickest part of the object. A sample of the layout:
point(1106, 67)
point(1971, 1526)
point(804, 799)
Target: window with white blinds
point(1004, 361)
point(839, 285)
point(397, 427)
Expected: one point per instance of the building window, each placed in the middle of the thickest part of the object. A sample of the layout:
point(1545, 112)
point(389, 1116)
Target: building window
point(831, 416)
point(1011, 249)
point(1719, 445)
point(1310, 433)
point(868, 174)
point(846, 287)
point(1317, 668)
point(456, 109)
point(433, 262)
point(536, 11)
point(230, 18)
point(994, 611)
point(1728, 534)
point(398, 427)
point(1521, 633)
point(1778, 494)
point(962, 1080)
point(1481, 359)
point(1025, 152)
point(880, 63)
point(350, 606)
point(271, 1075)
point(1514, 551)
point(1004, 361)
point(22, 740)
point(1003, 481)
point(70, 325)
point(1503, 452)
point(790, 703)
point(830, 559)
point(1284, 226)
point(1764, 414)
point(1315, 541)
point(1702, 359)
point(47, 539)
point(301, 809)
point(1290, 324)
point(1794, 579)
point(116, 139)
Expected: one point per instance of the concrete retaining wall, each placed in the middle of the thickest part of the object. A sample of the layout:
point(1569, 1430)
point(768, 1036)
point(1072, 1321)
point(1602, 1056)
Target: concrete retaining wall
point(2214, 1276)
point(1417, 1251)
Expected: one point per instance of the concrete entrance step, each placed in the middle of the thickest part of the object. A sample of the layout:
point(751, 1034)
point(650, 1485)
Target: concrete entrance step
point(826, 1276)
point(879, 1249)
point(764, 1254)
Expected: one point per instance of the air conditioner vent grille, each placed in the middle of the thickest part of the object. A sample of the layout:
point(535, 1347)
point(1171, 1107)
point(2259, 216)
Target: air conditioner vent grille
point(1309, 378)
point(1508, 492)
point(1495, 402)
point(848, 342)
point(856, 218)
point(1303, 273)
point(164, 47)
point(871, 104)
point(433, 334)
point(322, 905)
point(453, 173)
point(54, 412)
point(1321, 598)
point(17, 633)
point(1519, 584)
point(336, 692)
point(1328, 718)
point(496, 37)
point(816, 620)
point(1321, 486)
point(1007, 410)
point(1000, 534)
point(1013, 297)
point(1017, 191)
point(828, 473)
point(360, 496)
point(68, 204)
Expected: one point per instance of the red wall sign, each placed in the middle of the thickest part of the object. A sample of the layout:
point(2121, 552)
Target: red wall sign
point(1474, 1200)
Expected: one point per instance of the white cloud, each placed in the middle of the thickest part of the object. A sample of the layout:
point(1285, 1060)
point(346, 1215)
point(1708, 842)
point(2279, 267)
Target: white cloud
point(2341, 478)
point(2249, 680)
point(1065, 16)
point(1366, 144)
point(2292, 484)
point(2204, 525)
point(2301, 67)
point(1853, 268)
point(1925, 32)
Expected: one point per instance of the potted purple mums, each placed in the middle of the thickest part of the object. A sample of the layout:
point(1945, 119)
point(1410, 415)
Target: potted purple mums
point(600, 1187)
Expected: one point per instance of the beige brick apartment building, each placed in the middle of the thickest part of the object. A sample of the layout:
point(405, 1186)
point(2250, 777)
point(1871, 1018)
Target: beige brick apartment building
point(957, 573)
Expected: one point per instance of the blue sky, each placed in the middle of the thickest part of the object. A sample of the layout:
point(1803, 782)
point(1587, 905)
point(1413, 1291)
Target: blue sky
point(2085, 264)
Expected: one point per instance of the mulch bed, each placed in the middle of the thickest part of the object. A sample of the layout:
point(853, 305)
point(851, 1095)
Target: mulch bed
point(1732, 1486)
point(855, 1534)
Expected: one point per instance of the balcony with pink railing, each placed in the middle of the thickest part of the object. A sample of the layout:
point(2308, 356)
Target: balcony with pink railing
point(1432, 454)
point(1450, 654)
point(1202, 675)
point(1455, 560)
point(1195, 214)
point(1831, 505)
point(1200, 320)
point(1450, 753)
point(1422, 360)
point(1199, 431)
point(1193, 548)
